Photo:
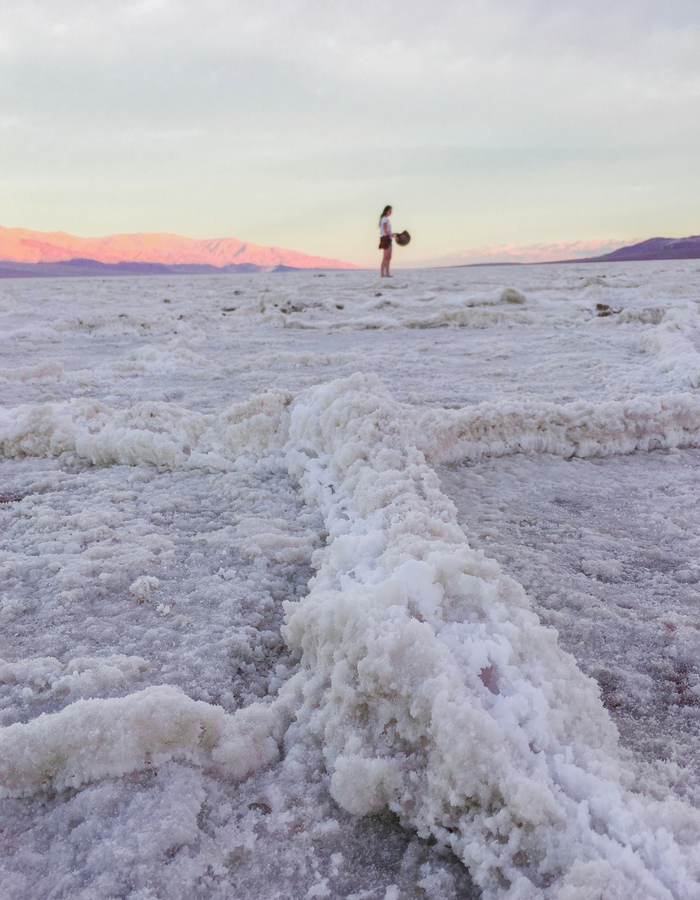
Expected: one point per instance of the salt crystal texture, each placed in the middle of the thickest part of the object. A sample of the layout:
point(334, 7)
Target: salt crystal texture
point(243, 620)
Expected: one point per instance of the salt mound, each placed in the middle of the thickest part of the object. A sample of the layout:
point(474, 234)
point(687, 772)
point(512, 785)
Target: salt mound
point(510, 295)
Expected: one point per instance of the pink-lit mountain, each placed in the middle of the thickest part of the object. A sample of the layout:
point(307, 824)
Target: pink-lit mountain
point(24, 246)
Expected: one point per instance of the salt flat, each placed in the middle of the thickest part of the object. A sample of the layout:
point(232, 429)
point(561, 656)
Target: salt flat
point(264, 544)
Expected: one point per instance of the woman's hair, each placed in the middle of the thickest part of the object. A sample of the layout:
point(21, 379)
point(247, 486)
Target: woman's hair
point(386, 210)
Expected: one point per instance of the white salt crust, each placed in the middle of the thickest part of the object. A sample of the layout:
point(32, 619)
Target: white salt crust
point(434, 689)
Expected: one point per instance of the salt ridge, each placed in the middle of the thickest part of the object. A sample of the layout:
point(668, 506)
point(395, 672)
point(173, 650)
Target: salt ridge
point(172, 437)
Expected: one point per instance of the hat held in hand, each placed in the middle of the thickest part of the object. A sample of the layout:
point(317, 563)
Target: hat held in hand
point(403, 238)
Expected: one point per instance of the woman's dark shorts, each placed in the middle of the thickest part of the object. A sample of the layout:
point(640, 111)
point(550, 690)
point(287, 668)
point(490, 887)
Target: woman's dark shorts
point(384, 242)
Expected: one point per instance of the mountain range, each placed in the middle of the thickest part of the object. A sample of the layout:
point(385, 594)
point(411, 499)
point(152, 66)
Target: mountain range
point(55, 253)
point(25, 252)
point(654, 248)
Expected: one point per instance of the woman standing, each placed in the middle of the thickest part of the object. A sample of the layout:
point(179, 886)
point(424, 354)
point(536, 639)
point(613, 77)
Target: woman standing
point(386, 235)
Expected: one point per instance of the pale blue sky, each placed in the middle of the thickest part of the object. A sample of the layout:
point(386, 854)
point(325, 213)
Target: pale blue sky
point(486, 124)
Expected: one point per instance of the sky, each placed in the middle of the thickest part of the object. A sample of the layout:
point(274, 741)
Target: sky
point(497, 129)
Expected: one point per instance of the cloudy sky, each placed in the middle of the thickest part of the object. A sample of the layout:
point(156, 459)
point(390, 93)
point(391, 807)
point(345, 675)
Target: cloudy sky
point(496, 128)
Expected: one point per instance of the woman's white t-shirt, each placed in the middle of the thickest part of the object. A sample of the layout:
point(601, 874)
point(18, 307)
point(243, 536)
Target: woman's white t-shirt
point(385, 226)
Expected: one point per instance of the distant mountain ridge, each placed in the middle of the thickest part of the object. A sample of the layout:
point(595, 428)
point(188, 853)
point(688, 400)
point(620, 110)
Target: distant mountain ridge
point(654, 248)
point(30, 248)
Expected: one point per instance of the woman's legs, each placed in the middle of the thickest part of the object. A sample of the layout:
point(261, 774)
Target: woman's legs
point(386, 260)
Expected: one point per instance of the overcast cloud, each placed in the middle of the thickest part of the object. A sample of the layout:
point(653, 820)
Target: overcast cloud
point(485, 124)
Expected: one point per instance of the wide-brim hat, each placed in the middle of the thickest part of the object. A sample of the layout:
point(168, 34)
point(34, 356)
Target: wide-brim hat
point(403, 238)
